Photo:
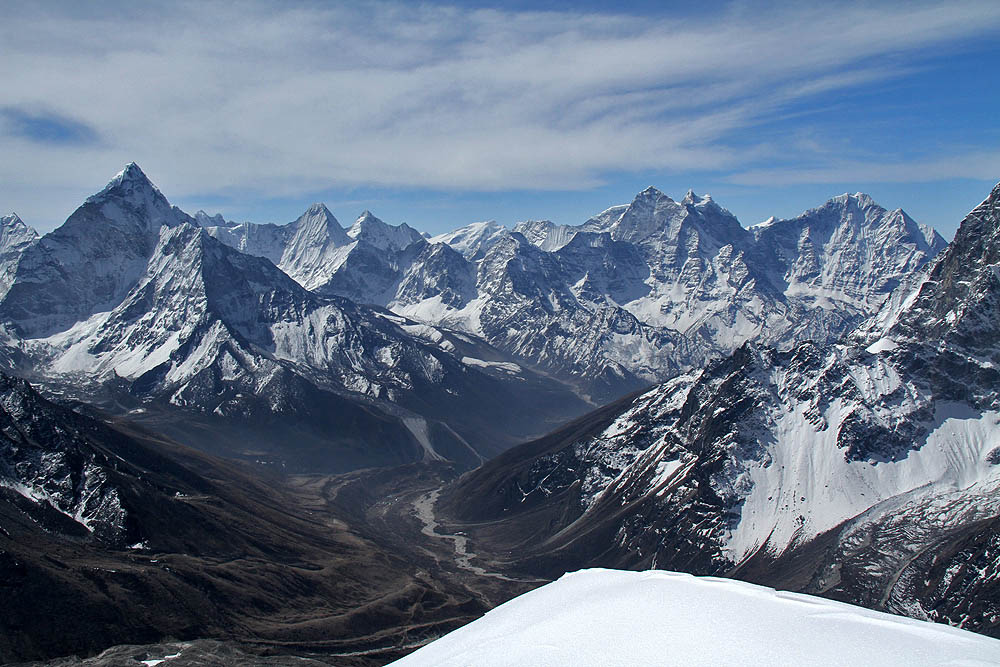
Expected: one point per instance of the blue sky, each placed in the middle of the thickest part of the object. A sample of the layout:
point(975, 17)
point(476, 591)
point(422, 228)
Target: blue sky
point(443, 114)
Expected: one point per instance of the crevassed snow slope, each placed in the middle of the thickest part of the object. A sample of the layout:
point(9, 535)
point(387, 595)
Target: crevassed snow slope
point(606, 618)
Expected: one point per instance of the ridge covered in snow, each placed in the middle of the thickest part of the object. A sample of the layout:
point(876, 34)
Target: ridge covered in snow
point(634, 295)
point(604, 618)
point(381, 235)
point(474, 240)
point(14, 234)
point(643, 290)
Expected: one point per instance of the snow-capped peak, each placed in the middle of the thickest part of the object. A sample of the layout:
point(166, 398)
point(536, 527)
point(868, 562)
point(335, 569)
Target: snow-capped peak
point(315, 247)
point(547, 235)
point(131, 172)
point(319, 218)
point(130, 199)
point(858, 199)
point(691, 198)
point(127, 181)
point(318, 208)
point(206, 220)
point(648, 213)
point(472, 240)
point(651, 192)
point(384, 236)
point(14, 232)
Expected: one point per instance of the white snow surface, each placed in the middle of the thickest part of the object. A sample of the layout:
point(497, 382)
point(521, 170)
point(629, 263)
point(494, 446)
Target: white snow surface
point(609, 618)
point(547, 235)
point(800, 483)
point(501, 365)
point(807, 486)
point(472, 240)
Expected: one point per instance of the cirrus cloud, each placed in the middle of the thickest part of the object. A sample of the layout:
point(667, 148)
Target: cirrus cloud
point(257, 99)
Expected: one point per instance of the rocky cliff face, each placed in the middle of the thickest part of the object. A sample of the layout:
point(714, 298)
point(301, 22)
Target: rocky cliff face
point(15, 238)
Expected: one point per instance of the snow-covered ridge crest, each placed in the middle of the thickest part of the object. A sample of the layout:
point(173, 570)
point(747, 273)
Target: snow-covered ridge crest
point(381, 235)
point(129, 178)
point(669, 618)
point(182, 321)
point(474, 240)
point(15, 238)
point(14, 231)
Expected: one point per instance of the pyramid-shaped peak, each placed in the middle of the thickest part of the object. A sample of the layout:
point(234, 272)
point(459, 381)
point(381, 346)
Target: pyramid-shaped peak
point(366, 217)
point(317, 227)
point(319, 207)
point(383, 235)
point(128, 182)
point(651, 192)
point(318, 214)
point(131, 174)
point(131, 170)
point(14, 231)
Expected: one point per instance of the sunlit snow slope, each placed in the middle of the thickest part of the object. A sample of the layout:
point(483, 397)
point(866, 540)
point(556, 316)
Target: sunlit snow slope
point(606, 618)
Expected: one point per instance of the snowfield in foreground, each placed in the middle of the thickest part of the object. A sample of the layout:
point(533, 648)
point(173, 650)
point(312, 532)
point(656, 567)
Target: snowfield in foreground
point(609, 617)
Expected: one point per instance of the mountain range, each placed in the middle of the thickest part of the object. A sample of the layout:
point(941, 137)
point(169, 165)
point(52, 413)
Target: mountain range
point(132, 306)
point(631, 296)
point(374, 345)
point(808, 403)
point(866, 470)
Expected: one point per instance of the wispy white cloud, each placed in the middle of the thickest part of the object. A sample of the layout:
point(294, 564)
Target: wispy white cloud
point(285, 99)
point(979, 165)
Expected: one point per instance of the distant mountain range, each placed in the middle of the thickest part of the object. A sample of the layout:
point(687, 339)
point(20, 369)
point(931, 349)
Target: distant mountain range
point(631, 296)
point(310, 345)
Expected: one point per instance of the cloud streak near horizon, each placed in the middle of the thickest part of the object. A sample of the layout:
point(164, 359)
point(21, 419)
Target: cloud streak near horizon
point(251, 99)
